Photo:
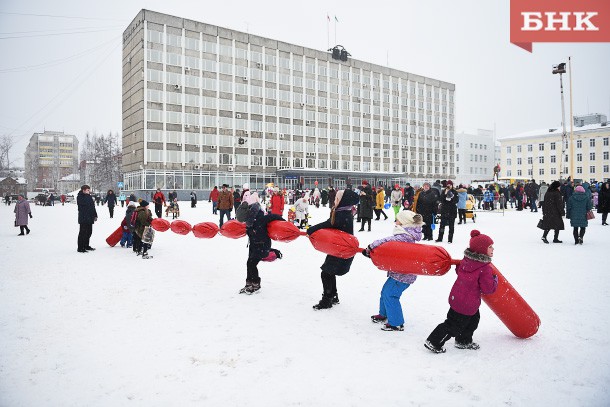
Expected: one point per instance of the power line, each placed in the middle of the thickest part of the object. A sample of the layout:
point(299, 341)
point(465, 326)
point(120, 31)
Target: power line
point(54, 34)
point(57, 29)
point(56, 61)
point(61, 16)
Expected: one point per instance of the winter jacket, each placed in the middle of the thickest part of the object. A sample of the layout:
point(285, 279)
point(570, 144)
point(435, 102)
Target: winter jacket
point(144, 219)
point(401, 234)
point(396, 197)
point(324, 196)
point(110, 200)
point(22, 212)
point(193, 197)
point(603, 199)
point(277, 204)
point(474, 276)
point(86, 208)
point(367, 203)
point(488, 196)
point(214, 195)
point(159, 198)
point(225, 200)
point(542, 192)
point(578, 206)
point(259, 242)
point(380, 198)
point(408, 194)
point(532, 191)
point(331, 197)
point(462, 197)
point(426, 204)
point(344, 221)
point(553, 210)
point(302, 208)
point(449, 200)
point(127, 219)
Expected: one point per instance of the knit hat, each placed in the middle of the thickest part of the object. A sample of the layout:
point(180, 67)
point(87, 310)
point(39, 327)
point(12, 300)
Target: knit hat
point(579, 189)
point(143, 203)
point(246, 186)
point(449, 182)
point(365, 182)
point(241, 213)
point(479, 242)
point(409, 218)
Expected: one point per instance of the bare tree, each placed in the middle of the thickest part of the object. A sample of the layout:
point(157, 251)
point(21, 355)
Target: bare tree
point(102, 155)
point(6, 144)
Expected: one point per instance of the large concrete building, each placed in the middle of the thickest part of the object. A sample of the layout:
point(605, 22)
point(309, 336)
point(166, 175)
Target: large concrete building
point(475, 156)
point(49, 157)
point(538, 154)
point(204, 105)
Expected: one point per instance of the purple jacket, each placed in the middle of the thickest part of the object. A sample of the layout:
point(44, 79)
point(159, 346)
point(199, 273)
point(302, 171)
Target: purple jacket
point(474, 276)
point(22, 211)
point(401, 234)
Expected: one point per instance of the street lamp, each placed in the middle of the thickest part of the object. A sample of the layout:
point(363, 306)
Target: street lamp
point(561, 69)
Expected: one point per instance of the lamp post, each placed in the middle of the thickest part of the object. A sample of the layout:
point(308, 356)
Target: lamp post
point(561, 69)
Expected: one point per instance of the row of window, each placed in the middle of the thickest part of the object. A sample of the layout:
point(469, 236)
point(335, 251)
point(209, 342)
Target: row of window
point(271, 60)
point(553, 171)
point(579, 143)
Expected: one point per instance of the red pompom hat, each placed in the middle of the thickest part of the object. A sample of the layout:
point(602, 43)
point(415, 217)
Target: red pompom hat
point(479, 242)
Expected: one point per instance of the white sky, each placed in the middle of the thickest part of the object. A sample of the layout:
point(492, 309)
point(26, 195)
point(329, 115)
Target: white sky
point(78, 87)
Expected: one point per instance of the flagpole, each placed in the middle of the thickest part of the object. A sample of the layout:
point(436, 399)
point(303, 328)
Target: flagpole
point(327, 31)
point(335, 30)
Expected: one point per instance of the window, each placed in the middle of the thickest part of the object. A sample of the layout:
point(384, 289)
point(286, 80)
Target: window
point(578, 143)
point(509, 162)
point(552, 146)
point(553, 171)
point(592, 156)
point(605, 168)
point(530, 147)
point(507, 149)
point(592, 142)
point(519, 173)
point(591, 169)
point(579, 170)
point(518, 160)
point(530, 160)
point(606, 154)
point(541, 147)
point(553, 159)
point(541, 171)
point(579, 157)
point(606, 139)
point(540, 160)
point(519, 148)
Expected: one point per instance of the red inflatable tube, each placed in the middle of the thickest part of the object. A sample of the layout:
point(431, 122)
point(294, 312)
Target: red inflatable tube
point(160, 225)
point(412, 258)
point(233, 229)
point(512, 309)
point(335, 242)
point(180, 227)
point(205, 230)
point(115, 237)
point(284, 231)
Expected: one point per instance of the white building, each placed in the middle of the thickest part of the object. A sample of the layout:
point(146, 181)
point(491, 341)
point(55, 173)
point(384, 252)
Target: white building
point(205, 105)
point(475, 156)
point(538, 154)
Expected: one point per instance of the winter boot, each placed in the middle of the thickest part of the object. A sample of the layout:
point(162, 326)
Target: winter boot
point(253, 288)
point(325, 303)
point(246, 288)
point(433, 348)
point(388, 327)
point(378, 318)
point(471, 345)
point(335, 299)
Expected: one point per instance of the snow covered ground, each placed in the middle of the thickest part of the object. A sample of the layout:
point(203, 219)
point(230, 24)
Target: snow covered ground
point(110, 329)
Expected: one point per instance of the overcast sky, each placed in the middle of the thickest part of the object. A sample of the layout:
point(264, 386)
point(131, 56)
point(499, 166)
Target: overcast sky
point(61, 60)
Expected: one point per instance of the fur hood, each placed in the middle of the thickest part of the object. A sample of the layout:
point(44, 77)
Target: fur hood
point(482, 258)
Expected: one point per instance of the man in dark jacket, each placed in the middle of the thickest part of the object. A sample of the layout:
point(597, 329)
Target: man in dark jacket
point(367, 204)
point(532, 196)
point(87, 215)
point(341, 218)
point(449, 199)
point(408, 195)
point(332, 193)
point(110, 199)
point(426, 207)
point(259, 242)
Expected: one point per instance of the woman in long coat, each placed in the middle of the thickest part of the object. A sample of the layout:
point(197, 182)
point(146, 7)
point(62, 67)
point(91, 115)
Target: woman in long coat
point(426, 207)
point(603, 202)
point(578, 206)
point(367, 204)
point(22, 212)
point(552, 212)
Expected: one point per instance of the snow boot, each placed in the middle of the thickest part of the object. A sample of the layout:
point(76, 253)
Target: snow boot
point(325, 303)
point(335, 299)
point(388, 327)
point(246, 288)
point(471, 345)
point(378, 318)
point(254, 287)
point(433, 348)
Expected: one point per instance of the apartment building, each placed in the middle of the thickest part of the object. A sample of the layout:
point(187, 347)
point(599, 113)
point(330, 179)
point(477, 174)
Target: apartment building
point(49, 157)
point(205, 105)
point(538, 154)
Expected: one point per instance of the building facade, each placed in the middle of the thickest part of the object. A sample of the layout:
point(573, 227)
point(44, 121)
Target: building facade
point(475, 156)
point(205, 105)
point(49, 157)
point(538, 154)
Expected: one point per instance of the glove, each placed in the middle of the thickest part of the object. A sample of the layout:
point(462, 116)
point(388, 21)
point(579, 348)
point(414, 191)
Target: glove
point(30, 216)
point(366, 253)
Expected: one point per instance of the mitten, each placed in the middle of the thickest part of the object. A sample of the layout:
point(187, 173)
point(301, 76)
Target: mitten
point(30, 216)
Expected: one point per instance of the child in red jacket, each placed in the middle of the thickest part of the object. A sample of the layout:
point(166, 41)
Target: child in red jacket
point(474, 276)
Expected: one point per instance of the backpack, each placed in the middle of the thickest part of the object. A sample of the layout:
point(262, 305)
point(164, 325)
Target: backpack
point(132, 220)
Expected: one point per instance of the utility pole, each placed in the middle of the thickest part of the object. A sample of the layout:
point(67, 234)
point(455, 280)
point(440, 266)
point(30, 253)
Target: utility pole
point(561, 69)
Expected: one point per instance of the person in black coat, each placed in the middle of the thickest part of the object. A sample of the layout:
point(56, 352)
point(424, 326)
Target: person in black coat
point(332, 193)
point(426, 207)
point(553, 212)
point(341, 218)
point(449, 199)
point(367, 204)
point(87, 215)
point(110, 199)
point(603, 202)
point(259, 242)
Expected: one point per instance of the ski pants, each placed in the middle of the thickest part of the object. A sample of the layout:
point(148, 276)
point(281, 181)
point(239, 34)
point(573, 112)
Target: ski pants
point(389, 302)
point(252, 271)
point(456, 325)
